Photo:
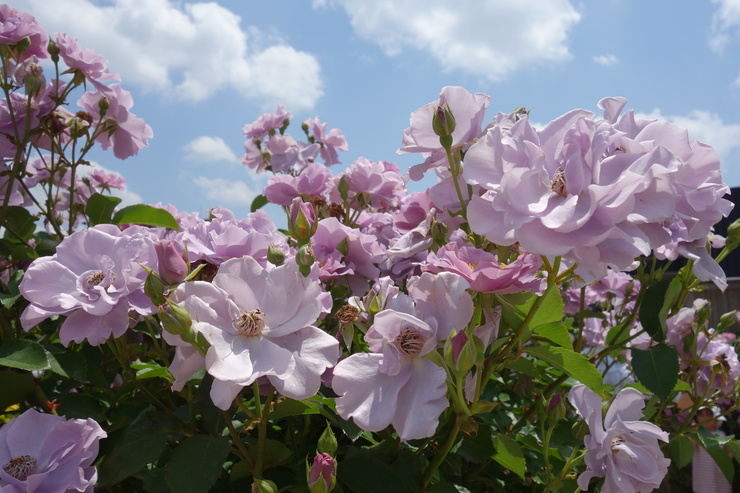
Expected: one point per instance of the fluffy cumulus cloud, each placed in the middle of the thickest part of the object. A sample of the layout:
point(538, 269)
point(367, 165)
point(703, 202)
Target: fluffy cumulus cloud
point(226, 192)
point(606, 60)
point(206, 149)
point(725, 23)
point(488, 39)
point(187, 50)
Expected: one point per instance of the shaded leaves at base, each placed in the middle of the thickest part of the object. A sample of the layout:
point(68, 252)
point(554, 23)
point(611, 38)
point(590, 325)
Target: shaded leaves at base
point(196, 463)
point(141, 442)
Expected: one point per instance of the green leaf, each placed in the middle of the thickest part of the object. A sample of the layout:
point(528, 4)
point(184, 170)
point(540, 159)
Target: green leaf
point(196, 463)
point(654, 309)
point(99, 208)
point(290, 407)
point(370, 475)
point(23, 354)
point(682, 450)
point(68, 363)
point(477, 447)
point(734, 447)
point(656, 368)
point(509, 454)
point(19, 224)
point(573, 364)
point(556, 332)
point(81, 406)
point(151, 370)
point(713, 444)
point(259, 202)
point(141, 442)
point(275, 453)
point(517, 306)
point(17, 387)
point(146, 215)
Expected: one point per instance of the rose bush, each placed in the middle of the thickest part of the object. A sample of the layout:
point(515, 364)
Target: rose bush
point(405, 340)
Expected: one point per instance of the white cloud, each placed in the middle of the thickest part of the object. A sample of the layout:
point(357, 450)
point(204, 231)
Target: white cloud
point(725, 22)
point(206, 149)
point(226, 191)
point(606, 60)
point(489, 39)
point(706, 127)
point(186, 50)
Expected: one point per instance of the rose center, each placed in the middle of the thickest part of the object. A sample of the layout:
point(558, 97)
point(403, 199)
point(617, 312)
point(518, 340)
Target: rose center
point(20, 467)
point(96, 277)
point(250, 323)
point(409, 342)
point(558, 183)
point(616, 442)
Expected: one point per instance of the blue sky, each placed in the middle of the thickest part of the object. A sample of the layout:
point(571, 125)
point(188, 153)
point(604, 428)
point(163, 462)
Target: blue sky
point(200, 71)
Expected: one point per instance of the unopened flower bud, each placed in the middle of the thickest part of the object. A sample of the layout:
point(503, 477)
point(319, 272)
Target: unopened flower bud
point(322, 475)
point(327, 442)
point(727, 320)
point(275, 255)
point(302, 224)
point(103, 104)
point(264, 486)
point(154, 287)
point(176, 320)
point(305, 259)
point(443, 123)
point(703, 313)
point(556, 407)
point(53, 50)
point(733, 234)
point(172, 266)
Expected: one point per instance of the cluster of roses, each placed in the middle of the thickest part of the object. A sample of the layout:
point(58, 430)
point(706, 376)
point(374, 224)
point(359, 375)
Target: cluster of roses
point(366, 263)
point(36, 127)
point(253, 298)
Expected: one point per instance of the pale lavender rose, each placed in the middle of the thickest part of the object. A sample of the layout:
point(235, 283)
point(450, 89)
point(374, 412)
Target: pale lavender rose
point(485, 272)
point(346, 254)
point(375, 184)
point(468, 111)
point(124, 131)
point(719, 364)
point(683, 324)
point(405, 389)
point(621, 448)
point(106, 180)
point(330, 142)
point(95, 278)
point(253, 331)
point(16, 26)
point(577, 189)
point(617, 289)
point(267, 122)
point(44, 453)
point(29, 68)
point(412, 211)
point(395, 384)
point(91, 64)
point(313, 181)
point(284, 154)
point(225, 237)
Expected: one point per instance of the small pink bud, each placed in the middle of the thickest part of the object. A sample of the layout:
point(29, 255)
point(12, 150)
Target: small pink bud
point(321, 477)
point(172, 267)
